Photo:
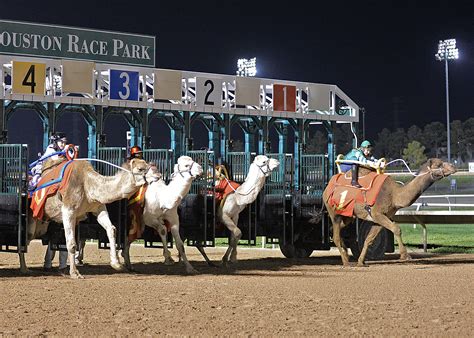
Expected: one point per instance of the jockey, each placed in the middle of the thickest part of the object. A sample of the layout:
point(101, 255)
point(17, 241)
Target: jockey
point(135, 152)
point(363, 154)
point(58, 143)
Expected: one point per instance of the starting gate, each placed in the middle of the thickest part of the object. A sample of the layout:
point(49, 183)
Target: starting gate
point(276, 210)
point(197, 209)
point(13, 197)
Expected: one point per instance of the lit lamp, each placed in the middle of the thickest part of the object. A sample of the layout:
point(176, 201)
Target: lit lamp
point(247, 67)
point(447, 51)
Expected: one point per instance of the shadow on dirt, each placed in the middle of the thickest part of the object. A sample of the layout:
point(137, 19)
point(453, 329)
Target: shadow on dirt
point(255, 267)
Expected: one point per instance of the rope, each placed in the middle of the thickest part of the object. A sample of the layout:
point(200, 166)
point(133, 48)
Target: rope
point(97, 160)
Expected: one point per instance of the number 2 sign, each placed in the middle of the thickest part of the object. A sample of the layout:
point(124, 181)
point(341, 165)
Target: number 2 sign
point(284, 97)
point(28, 78)
point(123, 85)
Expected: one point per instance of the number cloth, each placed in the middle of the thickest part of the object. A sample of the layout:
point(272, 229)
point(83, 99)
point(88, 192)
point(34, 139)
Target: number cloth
point(343, 195)
point(51, 182)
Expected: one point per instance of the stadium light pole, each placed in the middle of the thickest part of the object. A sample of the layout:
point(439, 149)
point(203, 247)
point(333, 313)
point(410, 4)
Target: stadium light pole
point(247, 67)
point(447, 51)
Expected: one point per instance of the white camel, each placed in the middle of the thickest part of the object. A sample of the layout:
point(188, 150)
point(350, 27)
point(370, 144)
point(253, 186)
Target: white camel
point(87, 191)
point(161, 205)
point(236, 201)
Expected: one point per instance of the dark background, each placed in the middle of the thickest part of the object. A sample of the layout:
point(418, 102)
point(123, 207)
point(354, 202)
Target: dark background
point(380, 53)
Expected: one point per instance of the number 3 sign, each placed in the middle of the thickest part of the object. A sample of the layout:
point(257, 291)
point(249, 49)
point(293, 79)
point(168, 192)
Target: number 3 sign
point(28, 78)
point(123, 85)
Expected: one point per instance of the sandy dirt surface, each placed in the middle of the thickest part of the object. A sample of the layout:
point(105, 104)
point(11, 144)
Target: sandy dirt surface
point(266, 295)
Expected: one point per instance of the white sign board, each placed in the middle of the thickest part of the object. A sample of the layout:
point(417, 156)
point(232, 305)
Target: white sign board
point(471, 167)
point(208, 92)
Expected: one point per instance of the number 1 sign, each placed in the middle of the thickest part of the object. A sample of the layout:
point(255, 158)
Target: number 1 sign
point(284, 98)
point(123, 85)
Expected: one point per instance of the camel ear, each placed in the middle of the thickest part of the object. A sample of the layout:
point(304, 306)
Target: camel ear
point(429, 163)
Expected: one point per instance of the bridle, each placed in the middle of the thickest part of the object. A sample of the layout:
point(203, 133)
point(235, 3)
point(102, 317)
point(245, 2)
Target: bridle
point(265, 165)
point(433, 171)
point(184, 171)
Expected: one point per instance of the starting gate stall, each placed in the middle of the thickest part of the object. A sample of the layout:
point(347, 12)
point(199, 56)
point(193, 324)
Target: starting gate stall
point(239, 165)
point(13, 197)
point(197, 221)
point(275, 220)
point(52, 84)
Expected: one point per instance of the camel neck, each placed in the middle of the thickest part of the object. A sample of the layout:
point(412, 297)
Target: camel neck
point(180, 185)
point(413, 189)
point(253, 183)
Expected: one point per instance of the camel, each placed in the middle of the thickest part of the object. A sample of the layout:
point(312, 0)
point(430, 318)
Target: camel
point(228, 213)
point(87, 191)
point(161, 205)
point(391, 198)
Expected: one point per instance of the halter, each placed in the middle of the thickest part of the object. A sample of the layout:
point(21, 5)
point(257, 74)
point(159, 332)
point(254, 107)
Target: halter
point(432, 171)
point(184, 171)
point(267, 165)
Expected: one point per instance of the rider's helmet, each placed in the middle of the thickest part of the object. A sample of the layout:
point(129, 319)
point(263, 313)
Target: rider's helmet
point(58, 140)
point(135, 152)
point(365, 144)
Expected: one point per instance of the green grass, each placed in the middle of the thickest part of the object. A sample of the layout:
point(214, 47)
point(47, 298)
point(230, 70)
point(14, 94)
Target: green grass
point(445, 238)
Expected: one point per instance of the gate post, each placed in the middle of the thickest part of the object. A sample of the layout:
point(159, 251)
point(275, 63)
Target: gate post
point(3, 123)
point(331, 150)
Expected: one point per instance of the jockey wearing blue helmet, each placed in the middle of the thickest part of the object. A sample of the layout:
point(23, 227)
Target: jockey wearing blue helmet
point(363, 154)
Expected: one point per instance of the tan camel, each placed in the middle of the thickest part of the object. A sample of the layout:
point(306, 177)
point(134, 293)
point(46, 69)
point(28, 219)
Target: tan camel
point(161, 205)
point(391, 198)
point(87, 191)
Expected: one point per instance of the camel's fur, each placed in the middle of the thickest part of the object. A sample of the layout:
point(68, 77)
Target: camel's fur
point(245, 194)
point(161, 204)
point(87, 191)
point(391, 198)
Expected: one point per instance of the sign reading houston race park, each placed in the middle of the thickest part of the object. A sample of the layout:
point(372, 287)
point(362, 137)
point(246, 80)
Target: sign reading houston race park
point(32, 39)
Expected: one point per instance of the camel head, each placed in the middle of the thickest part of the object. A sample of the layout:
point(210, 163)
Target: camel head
point(437, 168)
point(152, 174)
point(186, 165)
point(265, 164)
point(138, 168)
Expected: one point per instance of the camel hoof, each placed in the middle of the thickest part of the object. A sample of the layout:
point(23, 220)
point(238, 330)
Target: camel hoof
point(25, 272)
point(117, 266)
point(77, 276)
point(362, 265)
point(130, 268)
point(192, 271)
point(212, 264)
point(405, 257)
point(169, 261)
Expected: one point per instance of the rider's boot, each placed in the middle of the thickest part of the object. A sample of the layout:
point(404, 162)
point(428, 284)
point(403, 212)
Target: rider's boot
point(355, 176)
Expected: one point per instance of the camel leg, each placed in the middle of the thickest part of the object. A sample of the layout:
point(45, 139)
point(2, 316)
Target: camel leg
point(174, 221)
point(69, 223)
point(81, 243)
point(126, 256)
point(104, 221)
point(162, 231)
point(337, 225)
point(371, 236)
point(233, 254)
point(203, 253)
point(23, 267)
point(235, 235)
point(397, 232)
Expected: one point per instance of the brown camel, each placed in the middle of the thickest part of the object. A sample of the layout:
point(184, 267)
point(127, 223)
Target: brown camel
point(391, 198)
point(87, 191)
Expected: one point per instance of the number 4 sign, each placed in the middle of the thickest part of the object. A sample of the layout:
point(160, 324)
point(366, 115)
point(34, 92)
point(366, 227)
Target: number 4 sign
point(284, 98)
point(28, 78)
point(123, 85)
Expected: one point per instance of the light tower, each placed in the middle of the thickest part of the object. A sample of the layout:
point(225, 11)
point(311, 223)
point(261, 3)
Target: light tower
point(247, 67)
point(447, 51)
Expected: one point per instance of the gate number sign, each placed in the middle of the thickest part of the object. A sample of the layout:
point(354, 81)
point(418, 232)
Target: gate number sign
point(28, 78)
point(284, 97)
point(123, 85)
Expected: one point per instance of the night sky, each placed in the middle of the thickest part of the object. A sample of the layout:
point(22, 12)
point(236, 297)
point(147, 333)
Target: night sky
point(380, 53)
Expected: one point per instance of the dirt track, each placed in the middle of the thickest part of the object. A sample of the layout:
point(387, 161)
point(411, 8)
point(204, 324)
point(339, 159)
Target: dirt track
point(267, 295)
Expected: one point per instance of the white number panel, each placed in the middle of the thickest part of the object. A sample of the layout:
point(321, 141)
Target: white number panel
point(78, 77)
point(167, 84)
point(319, 97)
point(123, 85)
point(247, 91)
point(208, 92)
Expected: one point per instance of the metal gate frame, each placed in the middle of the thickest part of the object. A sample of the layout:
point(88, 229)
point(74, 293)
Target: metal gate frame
point(14, 197)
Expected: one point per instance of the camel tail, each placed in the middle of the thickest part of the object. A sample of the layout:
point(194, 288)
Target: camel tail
point(316, 215)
